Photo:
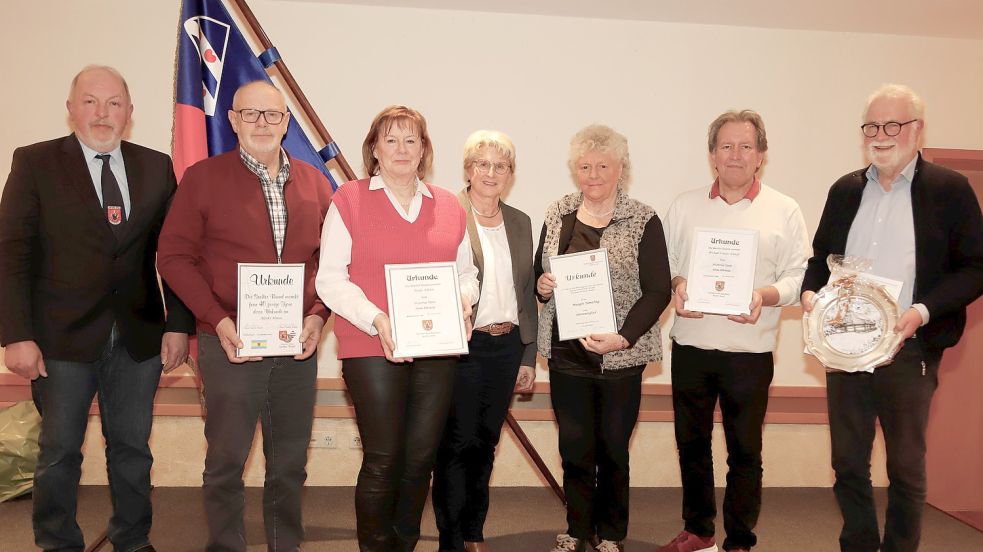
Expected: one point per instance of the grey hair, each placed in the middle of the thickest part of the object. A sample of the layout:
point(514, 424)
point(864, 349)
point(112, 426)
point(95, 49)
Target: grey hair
point(111, 70)
point(603, 139)
point(898, 91)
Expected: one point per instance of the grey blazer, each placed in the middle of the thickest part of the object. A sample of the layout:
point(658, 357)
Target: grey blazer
point(518, 231)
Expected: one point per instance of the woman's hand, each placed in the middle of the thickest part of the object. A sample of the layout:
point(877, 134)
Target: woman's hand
point(545, 285)
point(525, 380)
point(604, 343)
point(382, 325)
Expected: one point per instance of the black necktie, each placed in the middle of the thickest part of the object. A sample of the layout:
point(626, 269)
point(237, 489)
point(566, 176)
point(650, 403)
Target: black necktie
point(112, 198)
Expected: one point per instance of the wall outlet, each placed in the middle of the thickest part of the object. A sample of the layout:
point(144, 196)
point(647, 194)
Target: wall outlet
point(323, 439)
point(356, 442)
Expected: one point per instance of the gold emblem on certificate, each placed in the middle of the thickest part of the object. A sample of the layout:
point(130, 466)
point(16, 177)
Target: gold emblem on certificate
point(851, 325)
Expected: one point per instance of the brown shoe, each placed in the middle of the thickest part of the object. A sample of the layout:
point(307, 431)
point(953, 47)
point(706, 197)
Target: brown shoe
point(475, 547)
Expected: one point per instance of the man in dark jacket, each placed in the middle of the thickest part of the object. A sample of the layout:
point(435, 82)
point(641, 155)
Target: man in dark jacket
point(920, 225)
point(80, 307)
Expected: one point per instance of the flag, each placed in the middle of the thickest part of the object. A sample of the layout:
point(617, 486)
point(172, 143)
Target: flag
point(213, 61)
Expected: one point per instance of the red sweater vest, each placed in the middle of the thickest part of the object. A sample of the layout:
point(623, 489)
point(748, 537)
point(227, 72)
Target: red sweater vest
point(380, 237)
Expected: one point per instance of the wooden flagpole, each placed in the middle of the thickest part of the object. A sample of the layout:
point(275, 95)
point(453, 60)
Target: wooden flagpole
point(295, 90)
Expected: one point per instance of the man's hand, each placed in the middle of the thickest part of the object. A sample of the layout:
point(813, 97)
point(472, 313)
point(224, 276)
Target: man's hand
point(382, 325)
point(24, 359)
point(808, 300)
point(679, 300)
point(525, 379)
point(229, 339)
point(310, 336)
point(545, 285)
point(909, 322)
point(751, 318)
point(604, 343)
point(173, 350)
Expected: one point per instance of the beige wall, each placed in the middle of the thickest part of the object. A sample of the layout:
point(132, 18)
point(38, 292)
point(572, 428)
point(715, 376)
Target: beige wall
point(539, 79)
point(794, 456)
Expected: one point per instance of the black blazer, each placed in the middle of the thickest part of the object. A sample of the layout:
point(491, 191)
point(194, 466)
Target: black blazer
point(64, 278)
point(948, 245)
point(518, 231)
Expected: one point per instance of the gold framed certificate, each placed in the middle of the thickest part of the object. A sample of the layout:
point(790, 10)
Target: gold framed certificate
point(425, 310)
point(721, 271)
point(583, 295)
point(270, 309)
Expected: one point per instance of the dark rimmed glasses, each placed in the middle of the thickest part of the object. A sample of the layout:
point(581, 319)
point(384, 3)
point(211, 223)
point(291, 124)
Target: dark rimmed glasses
point(272, 117)
point(891, 128)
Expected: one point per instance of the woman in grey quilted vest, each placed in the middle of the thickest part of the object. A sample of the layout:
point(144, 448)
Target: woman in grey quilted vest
point(595, 382)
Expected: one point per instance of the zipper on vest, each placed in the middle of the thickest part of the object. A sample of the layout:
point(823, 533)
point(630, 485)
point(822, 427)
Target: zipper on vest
point(923, 367)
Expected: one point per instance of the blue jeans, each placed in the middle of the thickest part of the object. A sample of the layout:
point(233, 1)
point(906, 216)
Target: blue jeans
point(126, 390)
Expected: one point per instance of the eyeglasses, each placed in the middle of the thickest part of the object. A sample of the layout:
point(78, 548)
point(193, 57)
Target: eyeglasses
point(483, 165)
point(891, 128)
point(252, 115)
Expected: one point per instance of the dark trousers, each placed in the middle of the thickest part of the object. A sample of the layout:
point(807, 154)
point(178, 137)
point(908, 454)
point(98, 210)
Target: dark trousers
point(126, 390)
point(596, 418)
point(899, 395)
point(740, 381)
point(482, 394)
point(279, 392)
point(400, 410)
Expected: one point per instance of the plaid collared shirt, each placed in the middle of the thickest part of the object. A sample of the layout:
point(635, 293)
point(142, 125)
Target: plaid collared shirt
point(273, 191)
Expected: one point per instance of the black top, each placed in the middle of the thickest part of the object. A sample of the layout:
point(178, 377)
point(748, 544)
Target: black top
point(570, 357)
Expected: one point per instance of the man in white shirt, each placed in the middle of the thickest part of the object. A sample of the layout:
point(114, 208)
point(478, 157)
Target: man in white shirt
point(729, 357)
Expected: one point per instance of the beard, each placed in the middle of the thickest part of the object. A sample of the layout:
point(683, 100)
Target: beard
point(892, 160)
point(101, 140)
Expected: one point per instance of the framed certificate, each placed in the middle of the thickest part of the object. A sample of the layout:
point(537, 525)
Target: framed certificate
point(425, 310)
point(721, 271)
point(270, 310)
point(583, 296)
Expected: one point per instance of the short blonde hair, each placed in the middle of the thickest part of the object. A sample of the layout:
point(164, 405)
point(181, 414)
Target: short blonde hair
point(896, 91)
point(402, 117)
point(498, 141)
point(603, 139)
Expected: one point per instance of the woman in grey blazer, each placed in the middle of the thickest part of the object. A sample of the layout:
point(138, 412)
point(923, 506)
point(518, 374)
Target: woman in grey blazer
point(502, 347)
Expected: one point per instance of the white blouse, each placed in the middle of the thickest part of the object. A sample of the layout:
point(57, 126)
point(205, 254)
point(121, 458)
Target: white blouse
point(497, 303)
point(344, 297)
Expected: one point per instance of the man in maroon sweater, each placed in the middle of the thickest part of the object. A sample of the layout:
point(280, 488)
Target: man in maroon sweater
point(253, 205)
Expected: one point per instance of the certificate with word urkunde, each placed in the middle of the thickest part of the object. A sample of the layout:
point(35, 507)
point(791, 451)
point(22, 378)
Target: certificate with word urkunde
point(721, 271)
point(425, 310)
point(583, 294)
point(270, 313)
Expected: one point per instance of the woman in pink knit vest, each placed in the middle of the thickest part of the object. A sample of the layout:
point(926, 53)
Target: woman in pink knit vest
point(401, 404)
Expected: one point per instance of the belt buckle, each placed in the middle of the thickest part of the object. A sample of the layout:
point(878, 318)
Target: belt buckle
point(500, 328)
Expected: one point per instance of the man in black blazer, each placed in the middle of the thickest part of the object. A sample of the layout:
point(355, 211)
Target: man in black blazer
point(80, 307)
point(920, 224)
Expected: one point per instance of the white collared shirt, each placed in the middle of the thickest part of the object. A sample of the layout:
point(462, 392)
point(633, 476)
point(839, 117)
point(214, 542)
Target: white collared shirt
point(344, 297)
